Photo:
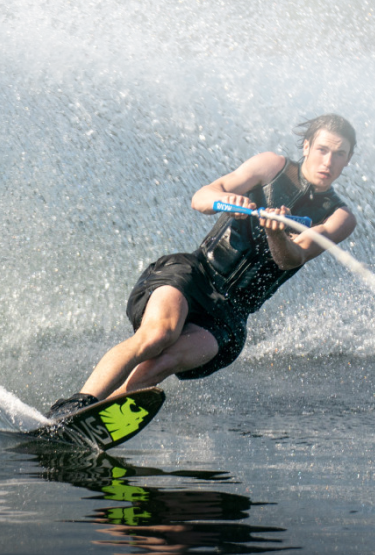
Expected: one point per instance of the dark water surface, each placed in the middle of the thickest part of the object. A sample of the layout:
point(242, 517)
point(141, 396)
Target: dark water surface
point(237, 470)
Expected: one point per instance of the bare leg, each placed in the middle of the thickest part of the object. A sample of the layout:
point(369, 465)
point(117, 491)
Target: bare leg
point(161, 327)
point(195, 347)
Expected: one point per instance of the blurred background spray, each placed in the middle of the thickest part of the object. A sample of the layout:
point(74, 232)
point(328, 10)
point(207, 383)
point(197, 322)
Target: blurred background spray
point(113, 113)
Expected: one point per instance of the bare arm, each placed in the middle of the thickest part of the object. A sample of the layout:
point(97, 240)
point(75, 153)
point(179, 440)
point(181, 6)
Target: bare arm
point(259, 169)
point(291, 251)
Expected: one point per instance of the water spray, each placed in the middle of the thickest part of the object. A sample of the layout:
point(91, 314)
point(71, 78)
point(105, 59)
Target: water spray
point(302, 224)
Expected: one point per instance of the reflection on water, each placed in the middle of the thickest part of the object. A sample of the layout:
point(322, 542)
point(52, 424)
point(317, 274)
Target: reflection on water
point(180, 512)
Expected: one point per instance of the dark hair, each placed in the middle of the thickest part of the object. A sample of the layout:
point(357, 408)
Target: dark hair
point(332, 123)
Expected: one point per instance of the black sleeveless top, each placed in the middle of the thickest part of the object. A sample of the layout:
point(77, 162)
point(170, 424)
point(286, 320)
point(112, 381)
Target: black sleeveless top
point(235, 253)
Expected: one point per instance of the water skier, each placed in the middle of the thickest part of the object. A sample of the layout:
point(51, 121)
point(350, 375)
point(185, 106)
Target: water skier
point(189, 311)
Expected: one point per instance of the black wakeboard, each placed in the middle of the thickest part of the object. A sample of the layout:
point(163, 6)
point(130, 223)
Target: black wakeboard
point(105, 424)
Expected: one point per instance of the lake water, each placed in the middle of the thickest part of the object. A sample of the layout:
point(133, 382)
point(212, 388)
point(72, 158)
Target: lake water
point(113, 114)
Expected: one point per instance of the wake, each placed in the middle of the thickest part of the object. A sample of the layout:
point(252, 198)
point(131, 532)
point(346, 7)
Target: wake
point(16, 415)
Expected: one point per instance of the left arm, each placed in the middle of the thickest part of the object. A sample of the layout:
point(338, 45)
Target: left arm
point(291, 251)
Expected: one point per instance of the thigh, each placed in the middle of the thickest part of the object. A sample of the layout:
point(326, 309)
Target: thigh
point(167, 307)
point(195, 347)
point(230, 341)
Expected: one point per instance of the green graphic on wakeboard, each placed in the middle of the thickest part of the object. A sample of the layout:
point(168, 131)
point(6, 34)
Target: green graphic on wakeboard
point(105, 424)
point(122, 420)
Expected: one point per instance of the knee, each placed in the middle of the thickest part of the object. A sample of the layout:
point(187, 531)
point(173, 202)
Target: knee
point(154, 339)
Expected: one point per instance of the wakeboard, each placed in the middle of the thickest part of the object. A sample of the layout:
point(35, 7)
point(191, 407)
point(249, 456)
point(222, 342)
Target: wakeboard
point(105, 424)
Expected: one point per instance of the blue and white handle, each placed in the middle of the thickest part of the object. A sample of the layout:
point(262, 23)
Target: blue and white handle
point(233, 208)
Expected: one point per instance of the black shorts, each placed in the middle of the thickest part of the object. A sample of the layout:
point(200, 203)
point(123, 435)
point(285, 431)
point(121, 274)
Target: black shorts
point(207, 308)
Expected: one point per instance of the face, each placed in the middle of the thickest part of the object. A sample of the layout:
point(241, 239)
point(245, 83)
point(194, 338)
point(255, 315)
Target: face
point(325, 158)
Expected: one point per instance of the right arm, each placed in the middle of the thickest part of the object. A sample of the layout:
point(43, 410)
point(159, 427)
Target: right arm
point(292, 250)
point(231, 188)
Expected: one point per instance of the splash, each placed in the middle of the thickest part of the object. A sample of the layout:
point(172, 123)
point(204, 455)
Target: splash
point(114, 114)
point(16, 415)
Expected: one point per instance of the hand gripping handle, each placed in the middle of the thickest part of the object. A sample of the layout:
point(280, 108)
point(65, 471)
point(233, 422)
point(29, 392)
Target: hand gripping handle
point(219, 206)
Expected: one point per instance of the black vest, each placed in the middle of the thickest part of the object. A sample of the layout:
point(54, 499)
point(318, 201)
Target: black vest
point(235, 253)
